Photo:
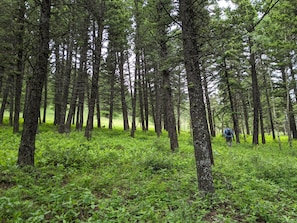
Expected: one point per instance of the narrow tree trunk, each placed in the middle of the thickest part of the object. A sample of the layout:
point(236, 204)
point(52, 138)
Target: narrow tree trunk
point(20, 66)
point(58, 85)
point(178, 106)
point(36, 82)
point(152, 101)
point(289, 107)
point(65, 88)
point(140, 94)
point(82, 77)
point(158, 96)
point(201, 137)
point(45, 97)
point(11, 101)
point(246, 115)
point(169, 118)
point(74, 94)
point(232, 106)
point(137, 66)
point(95, 77)
point(256, 93)
point(134, 97)
point(208, 106)
point(123, 92)
point(112, 68)
point(5, 97)
point(145, 92)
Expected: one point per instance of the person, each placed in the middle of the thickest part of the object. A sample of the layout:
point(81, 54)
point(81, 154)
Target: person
point(228, 133)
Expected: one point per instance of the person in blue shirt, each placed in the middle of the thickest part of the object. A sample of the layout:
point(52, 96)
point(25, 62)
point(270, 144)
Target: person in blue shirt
point(228, 134)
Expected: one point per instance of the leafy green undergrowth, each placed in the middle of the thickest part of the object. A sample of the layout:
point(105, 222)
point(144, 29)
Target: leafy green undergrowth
point(116, 178)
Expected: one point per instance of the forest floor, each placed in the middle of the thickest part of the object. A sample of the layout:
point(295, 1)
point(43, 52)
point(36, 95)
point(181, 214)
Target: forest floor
point(116, 178)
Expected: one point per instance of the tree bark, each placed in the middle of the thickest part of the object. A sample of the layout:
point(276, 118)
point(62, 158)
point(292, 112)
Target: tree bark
point(256, 93)
point(208, 106)
point(20, 66)
point(27, 146)
point(232, 106)
point(95, 77)
point(58, 85)
point(123, 92)
point(82, 76)
point(5, 97)
point(111, 64)
point(65, 86)
point(201, 137)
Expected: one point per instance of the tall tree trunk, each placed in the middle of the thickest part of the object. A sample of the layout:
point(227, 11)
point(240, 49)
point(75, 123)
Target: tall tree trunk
point(20, 66)
point(95, 77)
point(152, 100)
point(11, 101)
point(58, 85)
point(246, 115)
point(170, 118)
point(74, 94)
point(208, 106)
point(167, 92)
point(82, 76)
point(158, 97)
point(140, 94)
point(36, 82)
point(112, 78)
point(256, 93)
point(65, 88)
point(45, 97)
point(178, 106)
point(289, 107)
point(5, 97)
point(137, 66)
point(134, 97)
point(145, 92)
point(293, 82)
point(123, 92)
point(232, 105)
point(201, 137)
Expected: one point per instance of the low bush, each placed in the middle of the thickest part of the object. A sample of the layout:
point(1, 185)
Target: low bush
point(116, 178)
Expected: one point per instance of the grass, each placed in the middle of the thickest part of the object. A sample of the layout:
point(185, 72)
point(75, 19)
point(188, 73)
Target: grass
point(116, 178)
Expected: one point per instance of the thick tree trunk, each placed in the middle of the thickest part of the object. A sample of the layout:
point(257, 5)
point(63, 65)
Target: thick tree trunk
point(201, 137)
point(36, 82)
